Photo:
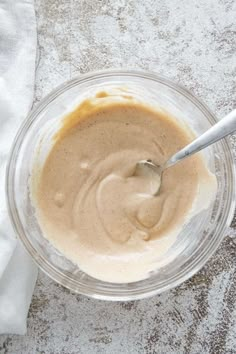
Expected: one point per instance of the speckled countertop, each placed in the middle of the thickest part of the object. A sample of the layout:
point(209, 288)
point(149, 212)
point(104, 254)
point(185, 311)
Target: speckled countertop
point(193, 42)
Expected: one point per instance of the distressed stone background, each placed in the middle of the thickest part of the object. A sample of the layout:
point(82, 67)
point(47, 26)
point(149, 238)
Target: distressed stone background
point(193, 42)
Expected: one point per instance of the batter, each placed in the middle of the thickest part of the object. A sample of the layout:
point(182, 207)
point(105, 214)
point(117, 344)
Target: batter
point(93, 209)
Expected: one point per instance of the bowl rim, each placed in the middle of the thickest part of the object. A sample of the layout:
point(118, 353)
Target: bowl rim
point(55, 273)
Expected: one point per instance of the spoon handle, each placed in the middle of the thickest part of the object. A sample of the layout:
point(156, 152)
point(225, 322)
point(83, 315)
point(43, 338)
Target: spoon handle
point(224, 127)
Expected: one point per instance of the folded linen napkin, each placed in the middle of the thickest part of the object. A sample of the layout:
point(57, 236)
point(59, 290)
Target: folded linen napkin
point(18, 45)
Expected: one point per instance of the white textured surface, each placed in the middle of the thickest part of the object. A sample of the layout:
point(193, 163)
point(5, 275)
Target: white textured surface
point(18, 45)
point(193, 42)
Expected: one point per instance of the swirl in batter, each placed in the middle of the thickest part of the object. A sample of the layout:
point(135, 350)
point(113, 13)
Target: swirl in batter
point(91, 206)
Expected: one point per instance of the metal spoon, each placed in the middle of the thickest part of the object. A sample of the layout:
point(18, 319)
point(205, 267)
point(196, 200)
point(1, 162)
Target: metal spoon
point(224, 127)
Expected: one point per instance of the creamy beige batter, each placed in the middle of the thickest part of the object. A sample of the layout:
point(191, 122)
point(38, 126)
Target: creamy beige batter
point(91, 206)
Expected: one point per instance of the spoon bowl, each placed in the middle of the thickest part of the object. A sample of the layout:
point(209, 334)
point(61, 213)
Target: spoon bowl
point(147, 167)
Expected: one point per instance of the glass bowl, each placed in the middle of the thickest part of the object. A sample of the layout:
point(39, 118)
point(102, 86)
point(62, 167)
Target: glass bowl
point(198, 240)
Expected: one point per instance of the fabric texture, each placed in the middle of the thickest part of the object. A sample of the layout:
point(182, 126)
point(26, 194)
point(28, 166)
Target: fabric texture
point(18, 44)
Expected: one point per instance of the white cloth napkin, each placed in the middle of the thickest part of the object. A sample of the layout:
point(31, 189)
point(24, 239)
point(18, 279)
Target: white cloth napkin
point(18, 45)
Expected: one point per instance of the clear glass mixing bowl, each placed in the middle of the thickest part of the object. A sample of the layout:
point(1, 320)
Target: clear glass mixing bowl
point(197, 241)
